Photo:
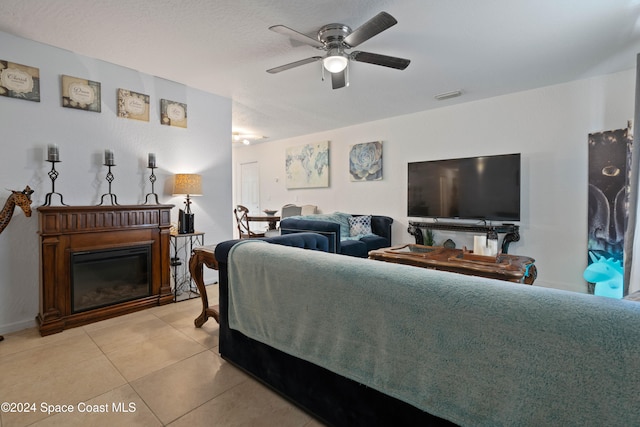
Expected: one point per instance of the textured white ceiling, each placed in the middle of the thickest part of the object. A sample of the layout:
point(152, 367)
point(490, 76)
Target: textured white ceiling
point(486, 48)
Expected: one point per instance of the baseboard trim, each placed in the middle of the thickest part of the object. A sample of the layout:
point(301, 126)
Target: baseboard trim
point(17, 326)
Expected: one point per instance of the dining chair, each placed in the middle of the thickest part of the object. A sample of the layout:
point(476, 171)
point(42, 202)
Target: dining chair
point(242, 221)
point(290, 210)
point(309, 210)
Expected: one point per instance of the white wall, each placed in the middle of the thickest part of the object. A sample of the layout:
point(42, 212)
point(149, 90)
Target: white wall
point(82, 136)
point(549, 126)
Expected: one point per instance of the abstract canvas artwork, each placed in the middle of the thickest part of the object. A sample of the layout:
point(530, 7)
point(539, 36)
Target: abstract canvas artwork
point(307, 166)
point(609, 169)
point(365, 161)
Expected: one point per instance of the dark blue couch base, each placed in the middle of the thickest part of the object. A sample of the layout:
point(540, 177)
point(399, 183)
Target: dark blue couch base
point(331, 398)
point(336, 400)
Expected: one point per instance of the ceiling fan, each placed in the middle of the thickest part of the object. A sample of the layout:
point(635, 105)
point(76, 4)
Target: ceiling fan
point(335, 39)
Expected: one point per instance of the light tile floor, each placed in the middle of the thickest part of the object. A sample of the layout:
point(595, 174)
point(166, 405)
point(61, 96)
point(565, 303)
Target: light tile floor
point(150, 368)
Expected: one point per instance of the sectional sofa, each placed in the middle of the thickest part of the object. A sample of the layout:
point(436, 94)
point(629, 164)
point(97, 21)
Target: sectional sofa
point(363, 342)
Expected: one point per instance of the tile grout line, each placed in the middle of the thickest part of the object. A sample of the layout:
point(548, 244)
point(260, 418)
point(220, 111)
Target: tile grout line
point(129, 383)
point(213, 398)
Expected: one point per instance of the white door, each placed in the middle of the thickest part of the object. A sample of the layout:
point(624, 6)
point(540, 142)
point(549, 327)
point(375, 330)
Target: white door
point(250, 187)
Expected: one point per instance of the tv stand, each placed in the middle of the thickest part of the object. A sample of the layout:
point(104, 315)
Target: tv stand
point(511, 231)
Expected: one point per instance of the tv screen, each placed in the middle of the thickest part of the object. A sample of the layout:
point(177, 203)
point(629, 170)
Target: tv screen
point(486, 187)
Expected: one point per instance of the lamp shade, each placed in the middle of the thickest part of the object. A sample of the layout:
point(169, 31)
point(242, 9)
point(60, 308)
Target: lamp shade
point(187, 183)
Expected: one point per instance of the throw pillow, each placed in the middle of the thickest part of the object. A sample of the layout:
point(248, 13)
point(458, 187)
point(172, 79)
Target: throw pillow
point(359, 225)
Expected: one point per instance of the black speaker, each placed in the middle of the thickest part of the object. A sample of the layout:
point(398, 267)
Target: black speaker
point(189, 221)
point(185, 223)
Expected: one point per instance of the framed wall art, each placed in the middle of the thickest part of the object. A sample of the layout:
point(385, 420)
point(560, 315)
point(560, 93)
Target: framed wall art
point(307, 166)
point(365, 161)
point(173, 113)
point(133, 105)
point(19, 81)
point(81, 94)
point(609, 168)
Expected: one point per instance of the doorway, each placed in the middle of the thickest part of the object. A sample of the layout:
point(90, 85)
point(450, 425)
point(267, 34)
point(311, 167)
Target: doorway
point(249, 191)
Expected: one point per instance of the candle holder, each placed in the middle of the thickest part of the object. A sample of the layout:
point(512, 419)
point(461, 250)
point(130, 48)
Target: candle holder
point(110, 178)
point(152, 178)
point(53, 175)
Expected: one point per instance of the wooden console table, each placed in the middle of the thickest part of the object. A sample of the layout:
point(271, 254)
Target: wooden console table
point(201, 256)
point(512, 268)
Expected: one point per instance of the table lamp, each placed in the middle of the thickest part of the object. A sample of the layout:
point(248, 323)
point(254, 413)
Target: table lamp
point(187, 184)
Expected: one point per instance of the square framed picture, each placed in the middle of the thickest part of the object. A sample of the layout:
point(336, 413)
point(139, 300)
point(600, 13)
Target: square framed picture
point(133, 105)
point(81, 94)
point(365, 161)
point(307, 166)
point(173, 113)
point(19, 81)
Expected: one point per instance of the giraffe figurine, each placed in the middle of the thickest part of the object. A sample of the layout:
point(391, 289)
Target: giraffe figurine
point(20, 198)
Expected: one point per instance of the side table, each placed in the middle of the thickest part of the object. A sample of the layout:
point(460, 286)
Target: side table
point(181, 247)
point(201, 256)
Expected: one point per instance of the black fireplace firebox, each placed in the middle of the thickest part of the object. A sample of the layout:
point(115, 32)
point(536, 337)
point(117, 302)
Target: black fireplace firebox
point(100, 278)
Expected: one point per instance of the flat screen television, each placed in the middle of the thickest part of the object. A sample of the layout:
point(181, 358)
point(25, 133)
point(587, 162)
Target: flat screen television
point(485, 187)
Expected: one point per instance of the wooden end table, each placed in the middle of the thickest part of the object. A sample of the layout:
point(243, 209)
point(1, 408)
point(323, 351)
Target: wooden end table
point(201, 256)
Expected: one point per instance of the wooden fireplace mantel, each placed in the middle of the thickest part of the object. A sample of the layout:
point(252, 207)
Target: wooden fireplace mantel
point(67, 229)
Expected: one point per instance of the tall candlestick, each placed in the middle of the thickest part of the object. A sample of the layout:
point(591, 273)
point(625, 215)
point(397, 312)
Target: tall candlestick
point(108, 158)
point(52, 153)
point(152, 160)
point(53, 157)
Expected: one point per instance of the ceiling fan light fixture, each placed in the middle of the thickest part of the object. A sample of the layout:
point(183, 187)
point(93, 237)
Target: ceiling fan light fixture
point(335, 62)
point(246, 138)
point(337, 38)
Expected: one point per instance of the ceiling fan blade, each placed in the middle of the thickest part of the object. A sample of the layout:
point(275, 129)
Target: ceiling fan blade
point(376, 59)
point(339, 80)
point(373, 26)
point(293, 34)
point(294, 64)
